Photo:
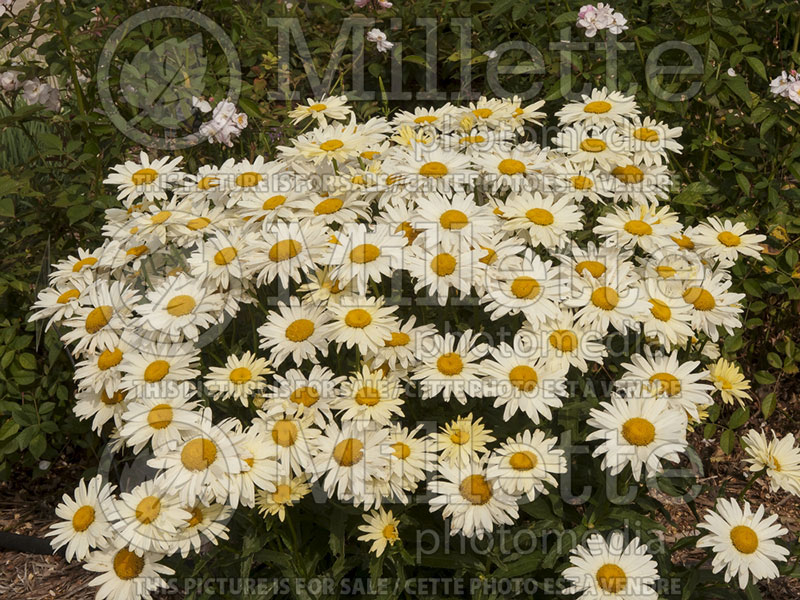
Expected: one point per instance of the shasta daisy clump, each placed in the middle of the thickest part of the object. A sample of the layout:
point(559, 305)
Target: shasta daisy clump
point(266, 328)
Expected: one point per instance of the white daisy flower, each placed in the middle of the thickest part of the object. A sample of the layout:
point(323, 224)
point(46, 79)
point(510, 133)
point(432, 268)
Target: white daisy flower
point(743, 542)
point(149, 178)
point(650, 140)
point(206, 525)
point(380, 528)
point(296, 330)
point(637, 430)
point(522, 465)
point(473, 502)
point(541, 219)
point(461, 441)
point(362, 322)
point(411, 459)
point(563, 340)
point(453, 221)
point(600, 569)
point(401, 348)
point(84, 519)
point(291, 438)
point(163, 422)
point(126, 575)
point(288, 492)
point(450, 367)
point(347, 458)
point(101, 407)
point(519, 381)
point(713, 306)
point(240, 378)
point(370, 397)
point(726, 241)
point(437, 269)
point(779, 457)
point(286, 251)
point(148, 517)
point(361, 254)
point(648, 227)
point(311, 393)
point(327, 107)
point(601, 108)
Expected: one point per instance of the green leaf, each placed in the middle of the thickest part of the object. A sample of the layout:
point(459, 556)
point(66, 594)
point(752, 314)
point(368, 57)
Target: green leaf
point(38, 445)
point(757, 66)
point(727, 441)
point(738, 86)
point(27, 360)
point(78, 212)
point(739, 417)
point(768, 404)
point(6, 207)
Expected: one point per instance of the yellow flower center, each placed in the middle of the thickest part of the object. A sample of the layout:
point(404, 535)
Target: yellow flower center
point(646, 135)
point(109, 358)
point(593, 145)
point(398, 339)
point(196, 518)
point(364, 253)
point(401, 450)
point(524, 378)
point(284, 250)
point(425, 119)
point(390, 532)
point(638, 431)
point(443, 264)
point(472, 139)
point(490, 257)
point(127, 565)
point(699, 298)
point(744, 539)
point(358, 318)
point(240, 375)
point(98, 318)
point(510, 166)
point(433, 169)
point(318, 106)
point(180, 305)
point(248, 179)
point(660, 310)
point(273, 202)
point(328, 206)
point(156, 371)
point(348, 452)
point(476, 490)
point(282, 494)
point(369, 154)
point(67, 296)
point(284, 433)
point(83, 518)
point(637, 227)
point(225, 256)
point(729, 239)
point(525, 287)
point(112, 400)
point(605, 298)
point(611, 578)
point(208, 182)
point(683, 242)
point(84, 262)
point(450, 364)
point(160, 416)
point(459, 437)
point(668, 383)
point(137, 250)
point(453, 219)
point(331, 145)
point(523, 460)
point(595, 268)
point(198, 223)
point(199, 454)
point(482, 113)
point(368, 396)
point(597, 107)
point(666, 271)
point(307, 396)
point(160, 217)
point(148, 509)
point(299, 330)
point(563, 340)
point(144, 176)
point(628, 174)
point(540, 216)
point(579, 182)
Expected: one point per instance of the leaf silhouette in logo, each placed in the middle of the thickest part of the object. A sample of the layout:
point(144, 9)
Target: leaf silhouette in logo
point(161, 81)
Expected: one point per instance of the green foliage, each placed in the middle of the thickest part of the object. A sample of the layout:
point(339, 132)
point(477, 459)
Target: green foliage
point(741, 160)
